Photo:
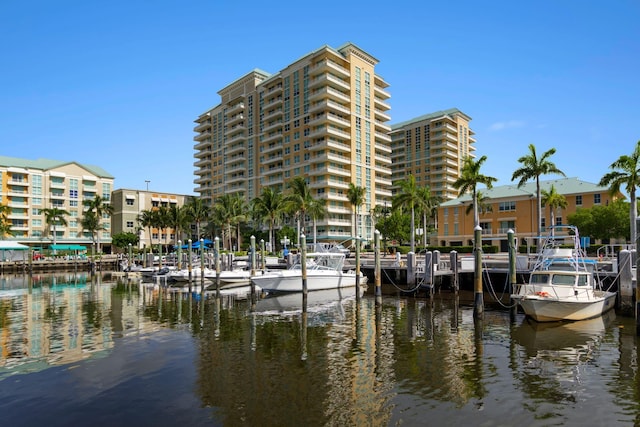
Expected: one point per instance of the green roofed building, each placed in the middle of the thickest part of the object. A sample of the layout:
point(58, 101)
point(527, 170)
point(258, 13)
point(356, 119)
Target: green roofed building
point(27, 187)
point(508, 207)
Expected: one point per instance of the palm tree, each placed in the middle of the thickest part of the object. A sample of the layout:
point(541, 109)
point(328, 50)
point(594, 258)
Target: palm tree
point(198, 211)
point(484, 205)
point(356, 196)
point(408, 197)
point(269, 206)
point(54, 217)
point(178, 219)
point(91, 224)
point(554, 200)
point(317, 210)
point(229, 210)
point(626, 171)
point(5, 225)
point(163, 221)
point(532, 168)
point(100, 207)
point(146, 219)
point(468, 181)
point(428, 206)
point(298, 200)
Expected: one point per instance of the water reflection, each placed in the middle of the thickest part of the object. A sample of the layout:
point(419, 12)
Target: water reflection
point(337, 360)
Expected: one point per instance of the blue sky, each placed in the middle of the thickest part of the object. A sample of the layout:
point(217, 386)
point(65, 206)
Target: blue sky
point(118, 84)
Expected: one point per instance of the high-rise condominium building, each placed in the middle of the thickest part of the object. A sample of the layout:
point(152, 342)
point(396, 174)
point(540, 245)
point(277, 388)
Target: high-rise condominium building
point(322, 117)
point(30, 187)
point(432, 148)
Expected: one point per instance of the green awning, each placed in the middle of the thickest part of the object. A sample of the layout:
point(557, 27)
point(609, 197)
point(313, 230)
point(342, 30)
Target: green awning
point(67, 247)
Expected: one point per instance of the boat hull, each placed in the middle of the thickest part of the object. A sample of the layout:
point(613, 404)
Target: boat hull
point(545, 309)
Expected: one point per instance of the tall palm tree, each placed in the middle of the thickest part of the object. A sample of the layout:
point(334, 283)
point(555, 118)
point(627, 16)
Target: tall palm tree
point(298, 200)
point(428, 207)
point(5, 225)
point(163, 221)
point(317, 210)
point(91, 224)
point(179, 220)
point(54, 217)
point(269, 206)
point(554, 200)
point(198, 211)
point(626, 171)
point(229, 211)
point(356, 196)
point(533, 168)
point(146, 220)
point(408, 198)
point(484, 205)
point(468, 181)
point(101, 207)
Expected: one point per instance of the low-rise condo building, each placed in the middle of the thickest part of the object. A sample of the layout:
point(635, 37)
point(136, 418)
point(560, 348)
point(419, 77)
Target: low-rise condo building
point(128, 205)
point(507, 207)
point(30, 187)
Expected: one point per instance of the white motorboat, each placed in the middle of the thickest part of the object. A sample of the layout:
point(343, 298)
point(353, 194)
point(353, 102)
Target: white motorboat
point(563, 284)
point(324, 271)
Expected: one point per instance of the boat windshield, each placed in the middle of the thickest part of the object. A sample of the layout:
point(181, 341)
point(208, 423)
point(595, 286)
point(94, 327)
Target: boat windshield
point(539, 279)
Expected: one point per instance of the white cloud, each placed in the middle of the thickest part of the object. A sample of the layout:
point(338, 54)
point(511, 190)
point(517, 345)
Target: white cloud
point(506, 125)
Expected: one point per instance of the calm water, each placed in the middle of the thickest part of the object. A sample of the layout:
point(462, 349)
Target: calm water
point(76, 353)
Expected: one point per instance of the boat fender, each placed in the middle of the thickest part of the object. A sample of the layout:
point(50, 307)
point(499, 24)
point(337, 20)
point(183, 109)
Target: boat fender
point(542, 294)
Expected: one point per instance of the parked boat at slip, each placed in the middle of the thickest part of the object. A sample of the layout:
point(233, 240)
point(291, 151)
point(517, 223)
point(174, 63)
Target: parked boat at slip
point(563, 284)
point(324, 271)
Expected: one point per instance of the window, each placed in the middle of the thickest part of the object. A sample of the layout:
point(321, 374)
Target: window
point(129, 202)
point(507, 206)
point(596, 199)
point(129, 224)
point(579, 200)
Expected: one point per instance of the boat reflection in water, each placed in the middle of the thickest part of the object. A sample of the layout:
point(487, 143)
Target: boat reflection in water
point(562, 337)
point(316, 300)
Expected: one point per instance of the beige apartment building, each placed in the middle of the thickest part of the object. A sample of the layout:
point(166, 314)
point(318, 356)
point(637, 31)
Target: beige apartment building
point(128, 204)
point(323, 117)
point(508, 207)
point(29, 186)
point(432, 148)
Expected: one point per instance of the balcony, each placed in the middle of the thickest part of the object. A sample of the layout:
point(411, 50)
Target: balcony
point(203, 126)
point(271, 137)
point(21, 182)
point(383, 117)
point(327, 65)
point(238, 167)
point(273, 147)
point(235, 148)
point(271, 126)
point(18, 192)
point(203, 135)
point(234, 130)
point(272, 114)
point(236, 108)
point(383, 137)
point(329, 93)
point(236, 118)
point(236, 138)
point(235, 179)
point(268, 160)
point(381, 93)
point(380, 104)
point(203, 145)
point(273, 102)
point(383, 148)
